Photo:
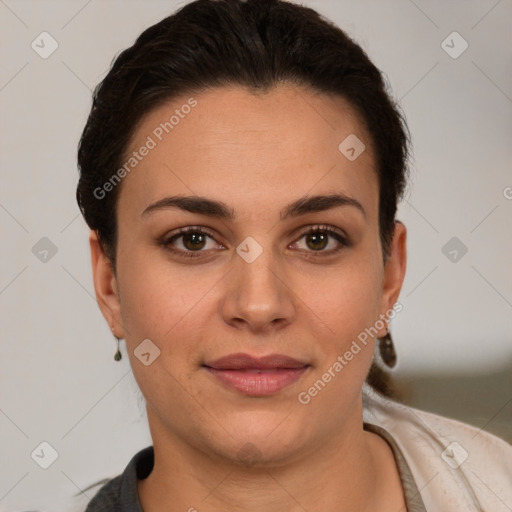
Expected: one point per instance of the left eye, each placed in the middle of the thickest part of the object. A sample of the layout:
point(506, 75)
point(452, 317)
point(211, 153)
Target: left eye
point(319, 240)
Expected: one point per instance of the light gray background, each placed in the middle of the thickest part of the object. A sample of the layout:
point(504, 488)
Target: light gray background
point(59, 382)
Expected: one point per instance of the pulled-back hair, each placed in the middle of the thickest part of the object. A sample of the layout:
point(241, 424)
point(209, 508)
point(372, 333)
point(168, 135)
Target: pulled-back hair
point(257, 44)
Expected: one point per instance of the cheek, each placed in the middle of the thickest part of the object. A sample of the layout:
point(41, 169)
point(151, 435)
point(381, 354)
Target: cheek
point(349, 303)
point(346, 297)
point(159, 299)
point(350, 306)
point(162, 303)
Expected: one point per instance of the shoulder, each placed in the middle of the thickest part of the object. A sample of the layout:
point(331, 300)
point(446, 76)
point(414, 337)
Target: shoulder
point(452, 462)
point(120, 494)
point(107, 498)
point(434, 431)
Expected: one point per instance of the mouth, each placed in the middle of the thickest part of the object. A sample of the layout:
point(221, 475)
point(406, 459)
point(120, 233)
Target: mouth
point(254, 376)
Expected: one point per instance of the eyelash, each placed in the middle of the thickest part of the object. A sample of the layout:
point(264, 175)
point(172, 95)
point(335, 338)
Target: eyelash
point(167, 241)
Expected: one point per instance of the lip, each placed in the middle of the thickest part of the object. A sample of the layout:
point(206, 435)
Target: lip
point(257, 376)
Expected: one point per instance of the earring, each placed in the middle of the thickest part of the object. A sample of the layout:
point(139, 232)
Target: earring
point(117, 356)
point(387, 350)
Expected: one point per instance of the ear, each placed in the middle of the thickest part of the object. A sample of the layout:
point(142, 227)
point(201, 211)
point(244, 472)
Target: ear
point(105, 286)
point(394, 269)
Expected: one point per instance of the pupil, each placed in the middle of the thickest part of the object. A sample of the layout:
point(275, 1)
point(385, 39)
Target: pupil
point(195, 238)
point(318, 237)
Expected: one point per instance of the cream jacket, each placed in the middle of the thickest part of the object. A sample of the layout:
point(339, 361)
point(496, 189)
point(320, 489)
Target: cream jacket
point(456, 467)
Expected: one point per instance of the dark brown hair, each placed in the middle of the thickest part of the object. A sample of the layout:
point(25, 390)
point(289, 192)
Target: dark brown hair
point(257, 44)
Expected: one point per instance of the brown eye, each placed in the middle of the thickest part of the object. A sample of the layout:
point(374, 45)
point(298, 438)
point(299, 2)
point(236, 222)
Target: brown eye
point(323, 240)
point(194, 241)
point(316, 241)
point(190, 242)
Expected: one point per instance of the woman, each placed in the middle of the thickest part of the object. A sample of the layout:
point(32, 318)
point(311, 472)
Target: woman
point(240, 172)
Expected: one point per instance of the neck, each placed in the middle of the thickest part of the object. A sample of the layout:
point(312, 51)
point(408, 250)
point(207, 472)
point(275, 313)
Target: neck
point(348, 472)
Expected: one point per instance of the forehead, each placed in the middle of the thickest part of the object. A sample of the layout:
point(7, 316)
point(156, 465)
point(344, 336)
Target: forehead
point(246, 149)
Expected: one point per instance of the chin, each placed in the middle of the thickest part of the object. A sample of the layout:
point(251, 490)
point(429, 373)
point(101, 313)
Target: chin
point(259, 453)
point(261, 439)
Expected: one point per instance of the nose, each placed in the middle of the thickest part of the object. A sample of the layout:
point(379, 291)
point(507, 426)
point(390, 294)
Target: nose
point(258, 297)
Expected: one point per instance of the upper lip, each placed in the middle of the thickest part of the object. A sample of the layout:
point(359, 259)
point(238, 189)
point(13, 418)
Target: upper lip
point(245, 361)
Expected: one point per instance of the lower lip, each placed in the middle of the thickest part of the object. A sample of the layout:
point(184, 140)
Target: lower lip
point(258, 384)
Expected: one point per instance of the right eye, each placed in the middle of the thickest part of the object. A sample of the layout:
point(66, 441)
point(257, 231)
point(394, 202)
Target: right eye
point(188, 241)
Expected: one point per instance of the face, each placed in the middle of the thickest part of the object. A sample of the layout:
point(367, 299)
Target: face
point(264, 298)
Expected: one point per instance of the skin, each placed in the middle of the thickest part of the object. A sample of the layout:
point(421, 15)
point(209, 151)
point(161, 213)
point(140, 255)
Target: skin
point(256, 154)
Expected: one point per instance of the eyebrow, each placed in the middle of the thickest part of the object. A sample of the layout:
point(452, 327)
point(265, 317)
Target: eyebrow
point(218, 209)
